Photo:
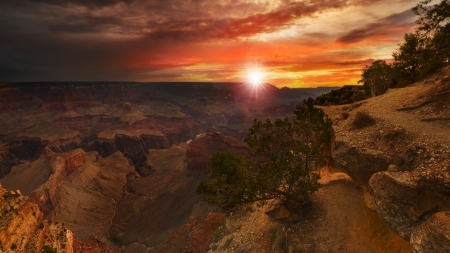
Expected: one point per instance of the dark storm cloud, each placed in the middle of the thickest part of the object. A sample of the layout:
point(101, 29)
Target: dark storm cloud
point(379, 28)
point(89, 3)
point(86, 24)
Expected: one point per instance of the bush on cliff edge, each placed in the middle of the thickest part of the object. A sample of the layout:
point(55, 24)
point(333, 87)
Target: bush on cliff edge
point(285, 152)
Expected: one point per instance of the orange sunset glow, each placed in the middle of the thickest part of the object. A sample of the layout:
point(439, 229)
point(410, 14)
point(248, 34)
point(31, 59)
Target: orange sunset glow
point(295, 43)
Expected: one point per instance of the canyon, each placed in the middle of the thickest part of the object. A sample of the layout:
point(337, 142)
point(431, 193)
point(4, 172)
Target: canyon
point(118, 163)
point(113, 167)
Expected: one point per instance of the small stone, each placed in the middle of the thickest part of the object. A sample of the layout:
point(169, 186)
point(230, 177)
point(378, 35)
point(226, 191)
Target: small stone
point(392, 168)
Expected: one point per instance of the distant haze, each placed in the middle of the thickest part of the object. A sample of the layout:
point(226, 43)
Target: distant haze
point(293, 43)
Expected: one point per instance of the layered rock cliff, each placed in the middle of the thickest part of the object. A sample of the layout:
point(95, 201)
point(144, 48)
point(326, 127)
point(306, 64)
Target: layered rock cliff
point(24, 229)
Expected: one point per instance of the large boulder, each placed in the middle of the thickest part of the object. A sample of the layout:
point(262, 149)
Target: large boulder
point(405, 199)
point(433, 235)
point(360, 164)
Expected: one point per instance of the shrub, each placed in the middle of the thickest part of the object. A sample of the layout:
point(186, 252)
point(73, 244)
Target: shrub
point(362, 119)
point(285, 150)
point(13, 246)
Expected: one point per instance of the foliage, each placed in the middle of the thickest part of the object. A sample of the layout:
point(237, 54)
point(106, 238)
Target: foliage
point(433, 19)
point(48, 249)
point(421, 53)
point(407, 60)
point(378, 77)
point(362, 119)
point(434, 28)
point(285, 150)
point(13, 246)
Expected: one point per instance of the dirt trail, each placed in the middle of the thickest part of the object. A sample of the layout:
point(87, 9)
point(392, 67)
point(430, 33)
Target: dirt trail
point(337, 221)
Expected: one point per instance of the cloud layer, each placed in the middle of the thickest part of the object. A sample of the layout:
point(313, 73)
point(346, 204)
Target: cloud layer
point(298, 43)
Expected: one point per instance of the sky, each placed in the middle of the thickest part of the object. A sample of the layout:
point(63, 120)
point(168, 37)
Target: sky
point(290, 43)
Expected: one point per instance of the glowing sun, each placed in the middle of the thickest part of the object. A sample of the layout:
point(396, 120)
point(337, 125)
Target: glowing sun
point(255, 77)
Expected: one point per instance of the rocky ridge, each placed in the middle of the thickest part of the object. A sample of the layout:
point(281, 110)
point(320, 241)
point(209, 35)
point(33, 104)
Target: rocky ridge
point(24, 229)
point(403, 158)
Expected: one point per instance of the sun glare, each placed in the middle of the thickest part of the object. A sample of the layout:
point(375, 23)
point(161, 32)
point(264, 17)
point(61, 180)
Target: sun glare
point(255, 77)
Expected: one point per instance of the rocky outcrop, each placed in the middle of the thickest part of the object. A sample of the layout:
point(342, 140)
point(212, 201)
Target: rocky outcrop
point(432, 236)
point(81, 191)
point(134, 148)
point(412, 204)
point(360, 164)
point(24, 229)
point(345, 95)
point(201, 149)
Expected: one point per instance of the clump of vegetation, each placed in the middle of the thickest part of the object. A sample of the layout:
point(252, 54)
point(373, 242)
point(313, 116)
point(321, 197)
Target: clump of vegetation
point(423, 52)
point(48, 249)
point(13, 246)
point(362, 119)
point(286, 150)
point(41, 225)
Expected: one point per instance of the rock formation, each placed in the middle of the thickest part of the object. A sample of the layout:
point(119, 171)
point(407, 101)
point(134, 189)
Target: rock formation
point(402, 160)
point(24, 229)
point(201, 149)
point(360, 164)
point(410, 204)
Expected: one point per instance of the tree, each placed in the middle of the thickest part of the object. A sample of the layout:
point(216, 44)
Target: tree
point(434, 27)
point(433, 19)
point(378, 77)
point(407, 60)
point(285, 152)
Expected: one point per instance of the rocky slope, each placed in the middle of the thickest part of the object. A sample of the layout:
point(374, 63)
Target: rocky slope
point(24, 229)
point(386, 192)
point(403, 158)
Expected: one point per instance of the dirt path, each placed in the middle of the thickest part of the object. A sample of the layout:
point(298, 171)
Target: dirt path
point(338, 221)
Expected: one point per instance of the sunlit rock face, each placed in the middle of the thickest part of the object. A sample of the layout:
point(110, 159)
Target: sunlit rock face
point(405, 201)
point(24, 229)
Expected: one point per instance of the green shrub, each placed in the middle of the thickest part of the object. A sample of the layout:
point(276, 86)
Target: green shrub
point(286, 150)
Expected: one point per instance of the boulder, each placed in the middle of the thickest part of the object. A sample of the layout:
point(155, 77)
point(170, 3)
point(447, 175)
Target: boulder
point(360, 164)
point(405, 199)
point(433, 235)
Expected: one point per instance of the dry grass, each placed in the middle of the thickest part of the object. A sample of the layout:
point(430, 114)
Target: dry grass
point(362, 119)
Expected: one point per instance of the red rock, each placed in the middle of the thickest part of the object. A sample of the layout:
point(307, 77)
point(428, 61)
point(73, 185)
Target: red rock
point(201, 149)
